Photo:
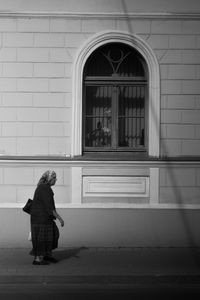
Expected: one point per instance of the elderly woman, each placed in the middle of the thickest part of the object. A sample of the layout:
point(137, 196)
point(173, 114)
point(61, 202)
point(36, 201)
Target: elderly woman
point(44, 231)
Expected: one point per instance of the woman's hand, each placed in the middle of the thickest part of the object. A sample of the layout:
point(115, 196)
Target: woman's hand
point(57, 216)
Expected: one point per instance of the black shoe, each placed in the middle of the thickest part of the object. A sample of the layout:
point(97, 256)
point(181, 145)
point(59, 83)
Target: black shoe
point(40, 263)
point(50, 259)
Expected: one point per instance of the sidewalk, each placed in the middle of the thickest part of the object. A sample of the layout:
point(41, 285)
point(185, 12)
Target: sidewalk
point(104, 266)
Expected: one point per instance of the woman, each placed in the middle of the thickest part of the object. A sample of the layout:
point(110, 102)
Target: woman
point(44, 231)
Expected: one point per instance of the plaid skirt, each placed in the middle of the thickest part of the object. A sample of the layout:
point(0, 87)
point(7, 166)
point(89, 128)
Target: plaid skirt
point(44, 238)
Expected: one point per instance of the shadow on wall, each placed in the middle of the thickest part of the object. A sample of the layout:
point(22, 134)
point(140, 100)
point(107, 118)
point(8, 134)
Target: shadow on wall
point(182, 212)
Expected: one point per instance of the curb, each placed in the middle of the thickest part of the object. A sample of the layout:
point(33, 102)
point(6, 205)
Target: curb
point(102, 279)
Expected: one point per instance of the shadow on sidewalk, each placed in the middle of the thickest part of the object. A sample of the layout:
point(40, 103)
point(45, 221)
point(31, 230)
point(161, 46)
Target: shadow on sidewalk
point(68, 253)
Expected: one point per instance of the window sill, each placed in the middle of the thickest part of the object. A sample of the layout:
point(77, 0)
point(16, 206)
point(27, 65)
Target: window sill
point(114, 156)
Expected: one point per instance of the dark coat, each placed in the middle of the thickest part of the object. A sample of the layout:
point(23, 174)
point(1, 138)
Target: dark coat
point(43, 205)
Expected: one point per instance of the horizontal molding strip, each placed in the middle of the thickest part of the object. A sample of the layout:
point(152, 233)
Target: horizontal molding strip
point(110, 206)
point(97, 163)
point(94, 15)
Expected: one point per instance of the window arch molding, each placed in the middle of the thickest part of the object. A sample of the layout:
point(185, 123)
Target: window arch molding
point(154, 86)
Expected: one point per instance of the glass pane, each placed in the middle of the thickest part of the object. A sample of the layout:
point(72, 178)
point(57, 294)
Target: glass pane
point(131, 123)
point(98, 116)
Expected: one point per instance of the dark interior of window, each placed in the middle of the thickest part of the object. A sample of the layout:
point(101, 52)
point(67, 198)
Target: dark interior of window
point(115, 101)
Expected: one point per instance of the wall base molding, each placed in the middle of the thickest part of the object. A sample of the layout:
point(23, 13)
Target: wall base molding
point(112, 206)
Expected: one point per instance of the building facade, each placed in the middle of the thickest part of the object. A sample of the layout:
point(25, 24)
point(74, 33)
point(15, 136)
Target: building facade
point(106, 93)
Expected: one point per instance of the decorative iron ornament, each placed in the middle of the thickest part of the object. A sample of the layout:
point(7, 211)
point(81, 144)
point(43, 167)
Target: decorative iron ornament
point(115, 63)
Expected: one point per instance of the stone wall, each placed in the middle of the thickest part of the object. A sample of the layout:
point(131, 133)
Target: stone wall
point(37, 57)
point(36, 65)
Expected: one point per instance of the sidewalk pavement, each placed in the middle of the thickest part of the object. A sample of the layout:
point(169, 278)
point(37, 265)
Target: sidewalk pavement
point(103, 266)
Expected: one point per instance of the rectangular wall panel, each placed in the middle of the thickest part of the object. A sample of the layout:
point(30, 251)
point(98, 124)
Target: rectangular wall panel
point(115, 186)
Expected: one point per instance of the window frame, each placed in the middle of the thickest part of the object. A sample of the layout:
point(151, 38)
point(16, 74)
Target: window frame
point(149, 56)
point(115, 82)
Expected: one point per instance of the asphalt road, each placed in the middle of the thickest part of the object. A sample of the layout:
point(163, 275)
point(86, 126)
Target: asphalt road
point(93, 292)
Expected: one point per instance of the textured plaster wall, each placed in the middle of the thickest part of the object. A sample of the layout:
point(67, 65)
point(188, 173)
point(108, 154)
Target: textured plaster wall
point(17, 184)
point(36, 64)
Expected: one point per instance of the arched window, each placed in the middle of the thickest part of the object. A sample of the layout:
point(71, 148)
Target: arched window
point(151, 75)
point(115, 100)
